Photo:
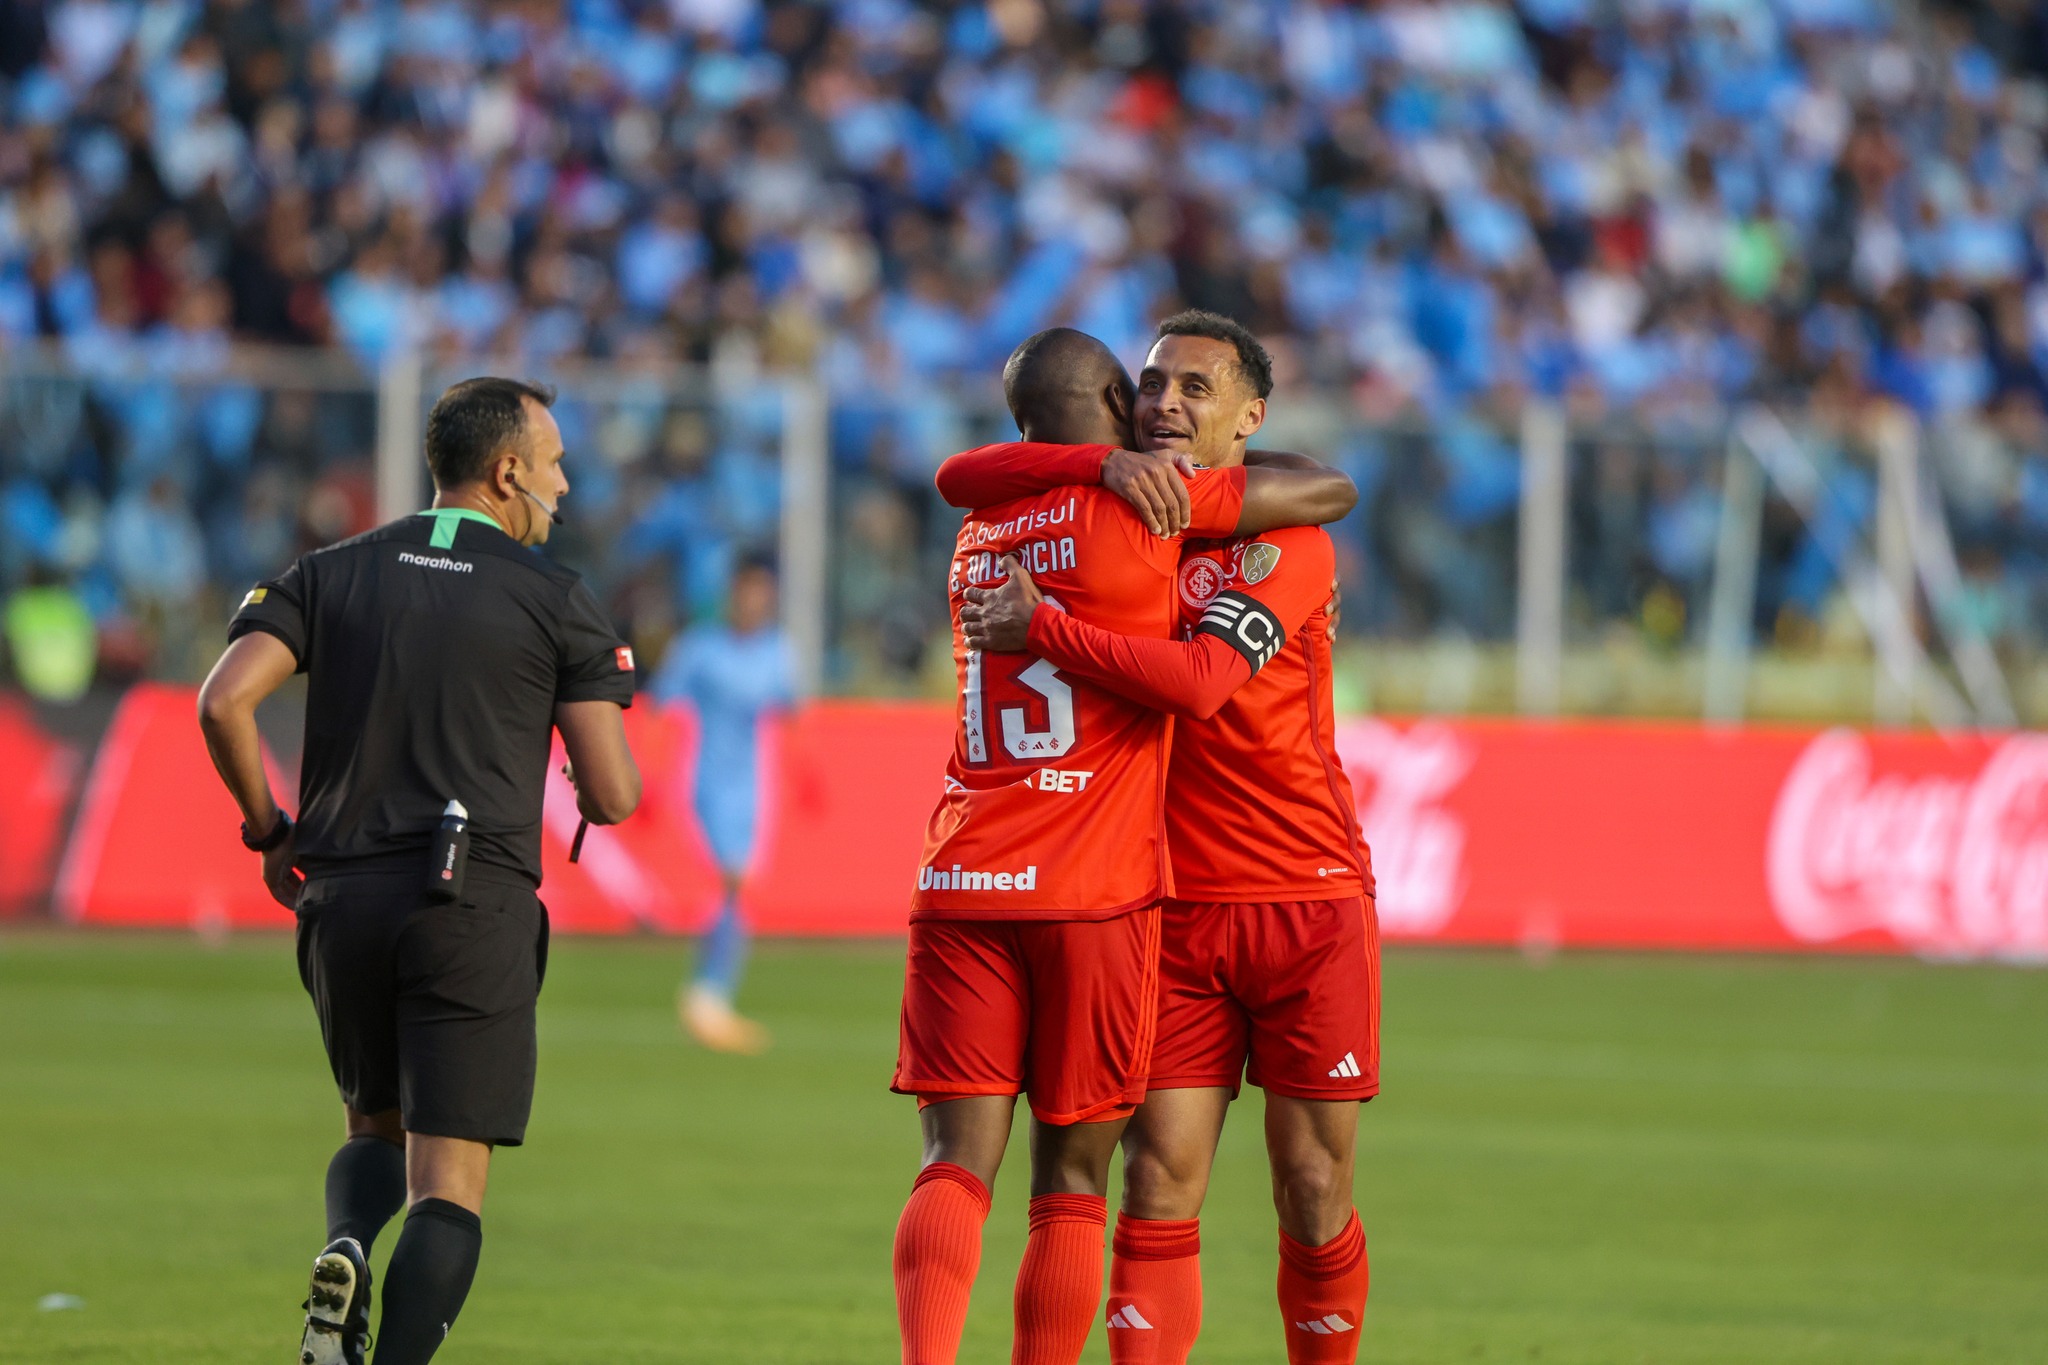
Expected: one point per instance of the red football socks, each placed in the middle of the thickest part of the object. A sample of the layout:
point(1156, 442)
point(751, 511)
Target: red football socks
point(1060, 1282)
point(938, 1251)
point(1322, 1296)
point(1155, 1290)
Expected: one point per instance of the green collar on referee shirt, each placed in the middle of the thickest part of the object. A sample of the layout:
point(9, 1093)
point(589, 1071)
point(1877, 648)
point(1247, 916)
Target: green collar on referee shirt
point(446, 519)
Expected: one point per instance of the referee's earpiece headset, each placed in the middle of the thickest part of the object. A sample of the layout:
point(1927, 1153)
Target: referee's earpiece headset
point(553, 515)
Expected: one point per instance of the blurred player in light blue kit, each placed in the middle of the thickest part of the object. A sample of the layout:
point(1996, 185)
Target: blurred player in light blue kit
point(731, 673)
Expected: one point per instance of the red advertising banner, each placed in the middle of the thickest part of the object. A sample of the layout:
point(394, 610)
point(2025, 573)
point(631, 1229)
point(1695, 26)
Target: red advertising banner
point(155, 840)
point(1580, 834)
point(845, 793)
point(38, 777)
point(1654, 836)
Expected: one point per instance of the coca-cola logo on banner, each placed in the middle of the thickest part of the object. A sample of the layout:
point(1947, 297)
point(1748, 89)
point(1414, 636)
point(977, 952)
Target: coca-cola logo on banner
point(1418, 848)
point(1948, 864)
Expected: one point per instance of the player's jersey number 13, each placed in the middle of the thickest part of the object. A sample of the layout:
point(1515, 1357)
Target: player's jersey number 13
point(1049, 693)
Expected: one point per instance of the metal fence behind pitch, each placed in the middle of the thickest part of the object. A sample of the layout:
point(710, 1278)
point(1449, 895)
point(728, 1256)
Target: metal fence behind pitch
point(1754, 561)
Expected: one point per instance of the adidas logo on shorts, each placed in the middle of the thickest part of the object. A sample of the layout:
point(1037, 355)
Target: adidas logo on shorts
point(1345, 1070)
point(1128, 1316)
point(1329, 1326)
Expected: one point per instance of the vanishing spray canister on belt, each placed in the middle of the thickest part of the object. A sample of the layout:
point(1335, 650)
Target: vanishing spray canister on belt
point(451, 854)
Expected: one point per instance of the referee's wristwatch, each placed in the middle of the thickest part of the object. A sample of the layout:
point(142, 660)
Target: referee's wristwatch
point(279, 832)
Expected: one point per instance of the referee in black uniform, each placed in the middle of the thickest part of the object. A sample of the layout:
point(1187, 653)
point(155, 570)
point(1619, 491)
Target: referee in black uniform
point(440, 652)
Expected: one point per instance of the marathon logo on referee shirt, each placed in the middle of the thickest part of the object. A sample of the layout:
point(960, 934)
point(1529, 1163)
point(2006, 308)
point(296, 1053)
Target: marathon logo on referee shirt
point(955, 879)
point(435, 562)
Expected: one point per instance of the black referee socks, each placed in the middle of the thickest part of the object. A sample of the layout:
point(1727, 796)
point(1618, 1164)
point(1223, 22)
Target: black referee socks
point(427, 1280)
point(365, 1188)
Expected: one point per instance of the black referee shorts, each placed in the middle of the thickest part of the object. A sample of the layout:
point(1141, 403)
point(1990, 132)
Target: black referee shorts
point(427, 1007)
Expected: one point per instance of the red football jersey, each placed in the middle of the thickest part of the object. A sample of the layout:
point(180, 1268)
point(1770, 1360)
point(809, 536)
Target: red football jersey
point(1259, 809)
point(1054, 799)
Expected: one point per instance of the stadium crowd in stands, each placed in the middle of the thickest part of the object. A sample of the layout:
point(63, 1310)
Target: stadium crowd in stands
point(1430, 209)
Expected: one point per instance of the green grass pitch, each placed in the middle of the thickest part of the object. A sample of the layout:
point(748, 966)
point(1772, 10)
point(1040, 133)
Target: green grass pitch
point(1608, 1159)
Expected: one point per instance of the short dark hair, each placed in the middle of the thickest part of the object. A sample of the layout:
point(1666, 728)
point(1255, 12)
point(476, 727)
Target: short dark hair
point(1252, 359)
point(757, 559)
point(1054, 380)
point(473, 420)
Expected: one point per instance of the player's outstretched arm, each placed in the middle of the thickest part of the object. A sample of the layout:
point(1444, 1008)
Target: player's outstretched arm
point(991, 474)
point(1186, 677)
point(1192, 678)
point(1292, 490)
point(1280, 489)
point(1153, 484)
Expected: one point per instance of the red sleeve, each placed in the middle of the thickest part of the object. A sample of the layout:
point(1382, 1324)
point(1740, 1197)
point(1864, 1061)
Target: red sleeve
point(1217, 499)
point(1297, 575)
point(989, 475)
point(1284, 577)
point(1190, 678)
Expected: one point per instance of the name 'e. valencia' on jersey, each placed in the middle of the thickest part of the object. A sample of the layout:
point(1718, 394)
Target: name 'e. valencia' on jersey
point(1053, 805)
point(1258, 807)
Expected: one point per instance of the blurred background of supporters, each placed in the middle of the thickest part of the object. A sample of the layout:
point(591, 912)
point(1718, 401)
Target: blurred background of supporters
point(1662, 339)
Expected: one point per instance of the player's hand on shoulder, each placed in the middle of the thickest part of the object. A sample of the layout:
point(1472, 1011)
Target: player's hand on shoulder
point(1154, 485)
point(998, 619)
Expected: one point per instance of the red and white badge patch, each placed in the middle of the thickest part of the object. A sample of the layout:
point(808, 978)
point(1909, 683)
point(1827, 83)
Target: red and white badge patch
point(1201, 578)
point(624, 655)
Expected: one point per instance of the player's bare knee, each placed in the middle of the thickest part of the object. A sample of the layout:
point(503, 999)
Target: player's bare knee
point(1070, 1177)
point(1072, 1158)
point(1158, 1186)
point(1166, 1166)
point(1312, 1194)
point(1308, 1184)
point(970, 1133)
point(980, 1160)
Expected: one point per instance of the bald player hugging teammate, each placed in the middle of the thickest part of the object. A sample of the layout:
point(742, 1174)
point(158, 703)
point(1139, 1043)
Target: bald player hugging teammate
point(1270, 956)
point(1035, 926)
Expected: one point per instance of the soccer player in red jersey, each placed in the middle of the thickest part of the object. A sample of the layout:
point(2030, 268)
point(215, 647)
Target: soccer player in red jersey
point(1270, 954)
point(1034, 932)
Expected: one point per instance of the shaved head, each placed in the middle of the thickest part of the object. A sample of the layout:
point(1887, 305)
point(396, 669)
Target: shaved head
point(1066, 387)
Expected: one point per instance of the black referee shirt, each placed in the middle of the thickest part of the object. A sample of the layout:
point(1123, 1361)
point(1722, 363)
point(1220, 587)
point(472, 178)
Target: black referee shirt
point(436, 649)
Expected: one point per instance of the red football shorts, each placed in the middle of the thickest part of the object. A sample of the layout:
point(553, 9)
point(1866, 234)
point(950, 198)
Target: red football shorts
point(1059, 1010)
point(1292, 988)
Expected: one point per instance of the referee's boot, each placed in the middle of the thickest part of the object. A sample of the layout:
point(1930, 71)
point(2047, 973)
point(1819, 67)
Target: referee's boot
point(338, 1307)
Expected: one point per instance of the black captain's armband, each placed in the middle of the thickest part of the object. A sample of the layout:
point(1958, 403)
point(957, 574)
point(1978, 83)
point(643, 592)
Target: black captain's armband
point(1246, 625)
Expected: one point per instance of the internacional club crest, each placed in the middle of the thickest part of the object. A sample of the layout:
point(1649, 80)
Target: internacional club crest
point(1201, 578)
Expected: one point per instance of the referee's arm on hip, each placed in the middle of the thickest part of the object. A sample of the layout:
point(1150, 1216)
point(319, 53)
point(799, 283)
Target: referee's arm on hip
point(252, 668)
